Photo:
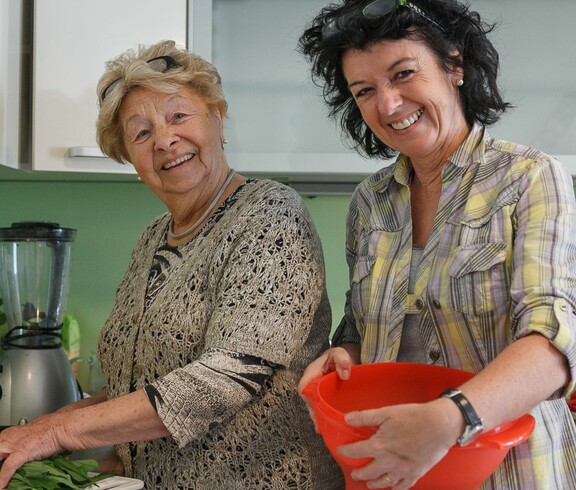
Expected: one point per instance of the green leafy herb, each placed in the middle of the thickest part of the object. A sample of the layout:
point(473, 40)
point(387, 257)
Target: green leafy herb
point(55, 473)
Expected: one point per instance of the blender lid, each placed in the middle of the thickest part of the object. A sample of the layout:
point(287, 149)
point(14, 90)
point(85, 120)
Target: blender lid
point(36, 230)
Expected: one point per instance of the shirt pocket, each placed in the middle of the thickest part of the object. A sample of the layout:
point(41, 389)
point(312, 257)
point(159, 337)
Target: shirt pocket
point(478, 278)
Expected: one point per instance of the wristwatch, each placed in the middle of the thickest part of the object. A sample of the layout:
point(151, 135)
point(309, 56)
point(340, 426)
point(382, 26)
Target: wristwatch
point(474, 424)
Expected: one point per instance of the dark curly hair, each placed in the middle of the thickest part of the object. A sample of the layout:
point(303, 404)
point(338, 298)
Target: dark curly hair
point(456, 29)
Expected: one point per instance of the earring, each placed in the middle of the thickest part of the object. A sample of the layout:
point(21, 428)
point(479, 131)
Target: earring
point(225, 141)
point(460, 82)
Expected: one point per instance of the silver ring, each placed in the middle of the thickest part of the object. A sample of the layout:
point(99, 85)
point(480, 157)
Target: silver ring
point(389, 480)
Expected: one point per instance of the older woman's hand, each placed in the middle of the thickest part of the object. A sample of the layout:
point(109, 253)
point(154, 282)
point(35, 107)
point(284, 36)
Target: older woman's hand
point(34, 441)
point(411, 438)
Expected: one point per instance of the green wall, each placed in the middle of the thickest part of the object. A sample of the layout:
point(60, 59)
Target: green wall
point(109, 217)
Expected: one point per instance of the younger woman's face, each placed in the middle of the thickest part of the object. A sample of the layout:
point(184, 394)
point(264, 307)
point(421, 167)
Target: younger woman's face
point(408, 101)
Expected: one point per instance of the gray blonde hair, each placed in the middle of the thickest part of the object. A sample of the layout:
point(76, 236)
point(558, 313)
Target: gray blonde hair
point(132, 70)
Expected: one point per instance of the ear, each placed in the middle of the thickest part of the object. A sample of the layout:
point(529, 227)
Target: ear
point(457, 72)
point(219, 116)
point(217, 111)
point(457, 77)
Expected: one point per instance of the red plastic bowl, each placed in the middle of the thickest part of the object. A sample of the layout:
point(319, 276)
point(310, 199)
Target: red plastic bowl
point(383, 384)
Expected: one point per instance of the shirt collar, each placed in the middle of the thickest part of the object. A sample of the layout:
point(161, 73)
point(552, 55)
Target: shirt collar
point(472, 148)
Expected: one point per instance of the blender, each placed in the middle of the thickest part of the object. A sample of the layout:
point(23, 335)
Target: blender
point(35, 375)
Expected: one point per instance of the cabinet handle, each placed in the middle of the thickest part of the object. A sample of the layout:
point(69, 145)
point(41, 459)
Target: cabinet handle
point(85, 151)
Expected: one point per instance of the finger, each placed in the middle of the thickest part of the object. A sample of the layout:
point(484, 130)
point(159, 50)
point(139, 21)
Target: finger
point(313, 371)
point(376, 474)
point(383, 482)
point(405, 484)
point(366, 418)
point(357, 450)
point(342, 363)
point(9, 467)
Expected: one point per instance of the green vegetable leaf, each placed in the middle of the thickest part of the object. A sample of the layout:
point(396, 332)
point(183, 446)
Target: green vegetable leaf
point(55, 473)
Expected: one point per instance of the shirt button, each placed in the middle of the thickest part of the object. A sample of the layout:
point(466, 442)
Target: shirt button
point(434, 355)
point(436, 304)
point(419, 304)
point(563, 307)
point(137, 371)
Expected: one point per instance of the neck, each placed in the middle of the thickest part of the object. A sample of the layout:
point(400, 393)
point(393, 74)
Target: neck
point(209, 211)
point(428, 168)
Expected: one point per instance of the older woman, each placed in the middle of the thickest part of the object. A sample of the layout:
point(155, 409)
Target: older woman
point(221, 308)
point(462, 253)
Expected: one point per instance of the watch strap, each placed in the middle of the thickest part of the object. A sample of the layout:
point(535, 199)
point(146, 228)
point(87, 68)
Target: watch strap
point(474, 424)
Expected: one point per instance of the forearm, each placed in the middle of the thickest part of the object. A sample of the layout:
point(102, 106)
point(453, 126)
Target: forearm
point(124, 419)
point(527, 372)
point(99, 397)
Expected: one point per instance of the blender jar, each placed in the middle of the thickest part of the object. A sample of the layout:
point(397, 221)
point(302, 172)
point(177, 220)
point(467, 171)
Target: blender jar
point(34, 277)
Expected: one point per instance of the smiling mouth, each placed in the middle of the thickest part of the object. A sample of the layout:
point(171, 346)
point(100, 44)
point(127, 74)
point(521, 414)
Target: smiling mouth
point(406, 123)
point(178, 161)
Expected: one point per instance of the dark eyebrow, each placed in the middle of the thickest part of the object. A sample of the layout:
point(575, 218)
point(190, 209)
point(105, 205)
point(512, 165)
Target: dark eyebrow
point(390, 68)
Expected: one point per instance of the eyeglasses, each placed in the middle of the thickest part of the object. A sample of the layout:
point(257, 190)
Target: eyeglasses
point(380, 8)
point(375, 10)
point(161, 64)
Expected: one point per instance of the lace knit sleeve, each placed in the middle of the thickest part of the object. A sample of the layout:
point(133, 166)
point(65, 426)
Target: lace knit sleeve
point(220, 383)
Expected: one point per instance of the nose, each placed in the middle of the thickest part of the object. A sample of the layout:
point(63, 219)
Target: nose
point(165, 138)
point(389, 99)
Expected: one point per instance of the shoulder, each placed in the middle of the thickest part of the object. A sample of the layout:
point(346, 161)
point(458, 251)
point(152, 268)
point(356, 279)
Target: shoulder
point(154, 228)
point(516, 160)
point(371, 193)
point(268, 211)
point(270, 191)
point(505, 171)
point(272, 200)
point(377, 184)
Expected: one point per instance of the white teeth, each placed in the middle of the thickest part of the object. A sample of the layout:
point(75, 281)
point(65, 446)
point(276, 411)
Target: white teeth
point(408, 122)
point(178, 161)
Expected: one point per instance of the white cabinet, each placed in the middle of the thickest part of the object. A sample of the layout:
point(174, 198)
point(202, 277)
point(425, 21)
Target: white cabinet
point(277, 121)
point(71, 41)
point(10, 29)
point(277, 124)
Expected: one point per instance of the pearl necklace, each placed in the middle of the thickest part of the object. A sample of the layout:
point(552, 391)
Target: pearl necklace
point(192, 229)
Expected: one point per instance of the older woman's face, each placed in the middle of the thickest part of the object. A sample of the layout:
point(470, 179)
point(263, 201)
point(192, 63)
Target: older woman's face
point(406, 99)
point(174, 141)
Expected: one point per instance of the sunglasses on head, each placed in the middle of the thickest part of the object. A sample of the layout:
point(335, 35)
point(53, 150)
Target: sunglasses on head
point(380, 8)
point(161, 64)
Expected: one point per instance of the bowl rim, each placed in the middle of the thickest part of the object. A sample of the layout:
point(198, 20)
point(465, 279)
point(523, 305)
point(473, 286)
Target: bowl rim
point(505, 435)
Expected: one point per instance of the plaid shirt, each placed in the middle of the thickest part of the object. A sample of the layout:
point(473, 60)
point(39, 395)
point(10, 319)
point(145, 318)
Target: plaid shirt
point(500, 263)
